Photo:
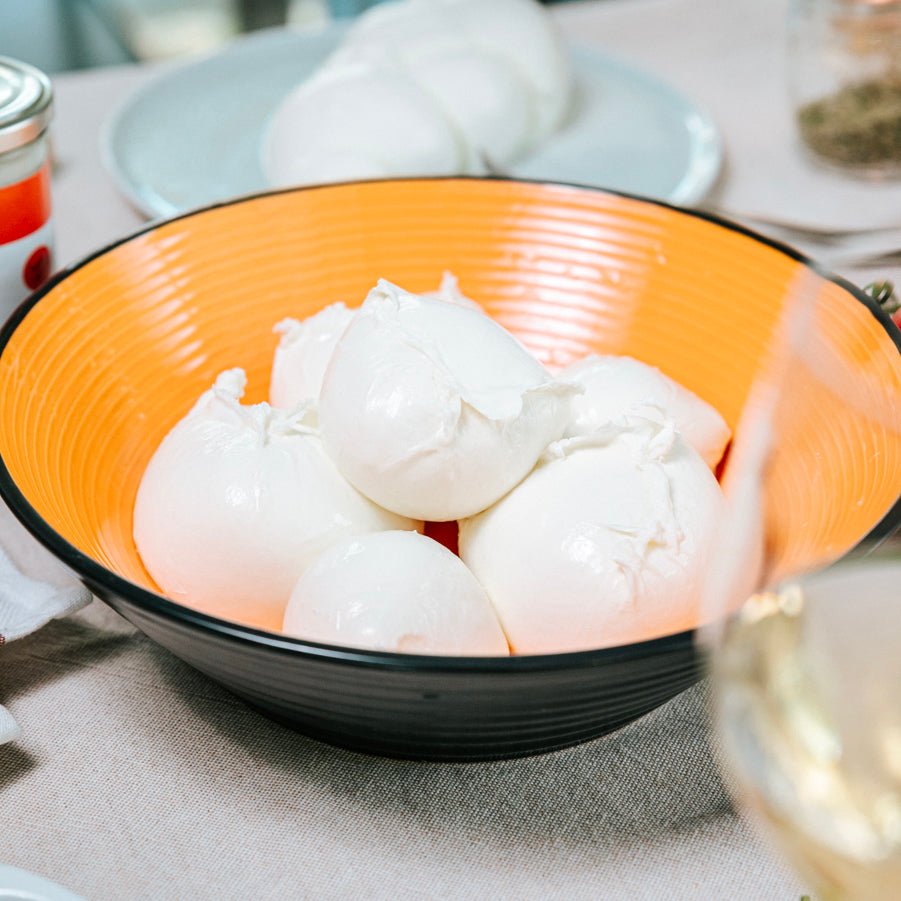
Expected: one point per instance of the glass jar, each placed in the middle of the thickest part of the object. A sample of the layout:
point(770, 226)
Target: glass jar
point(844, 64)
point(26, 225)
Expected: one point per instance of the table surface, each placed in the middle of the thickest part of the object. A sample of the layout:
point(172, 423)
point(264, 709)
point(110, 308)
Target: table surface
point(138, 778)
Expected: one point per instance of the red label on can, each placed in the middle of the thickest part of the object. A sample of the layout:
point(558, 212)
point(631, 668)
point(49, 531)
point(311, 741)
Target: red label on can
point(25, 207)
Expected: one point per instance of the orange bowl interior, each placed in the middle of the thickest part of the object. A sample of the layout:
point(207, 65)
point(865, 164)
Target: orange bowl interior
point(117, 351)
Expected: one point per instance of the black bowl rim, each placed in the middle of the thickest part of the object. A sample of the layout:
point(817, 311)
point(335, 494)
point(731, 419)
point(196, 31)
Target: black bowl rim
point(96, 575)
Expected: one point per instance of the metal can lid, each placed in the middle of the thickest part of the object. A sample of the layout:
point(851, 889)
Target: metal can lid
point(26, 103)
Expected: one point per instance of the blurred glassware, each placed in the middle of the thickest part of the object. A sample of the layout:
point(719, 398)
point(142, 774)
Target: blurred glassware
point(844, 66)
point(809, 697)
point(162, 29)
point(59, 36)
point(807, 671)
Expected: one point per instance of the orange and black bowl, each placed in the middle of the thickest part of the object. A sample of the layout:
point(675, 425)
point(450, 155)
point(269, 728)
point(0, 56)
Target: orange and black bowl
point(102, 362)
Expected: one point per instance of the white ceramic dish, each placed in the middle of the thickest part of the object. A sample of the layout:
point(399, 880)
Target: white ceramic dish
point(191, 137)
point(19, 885)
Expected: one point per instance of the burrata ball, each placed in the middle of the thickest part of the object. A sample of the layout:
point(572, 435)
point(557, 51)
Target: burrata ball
point(522, 33)
point(303, 354)
point(424, 87)
point(449, 290)
point(358, 121)
point(394, 591)
point(619, 385)
point(306, 346)
point(237, 500)
point(434, 410)
point(606, 542)
point(528, 38)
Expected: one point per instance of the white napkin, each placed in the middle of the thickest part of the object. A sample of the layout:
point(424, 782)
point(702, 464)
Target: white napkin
point(25, 605)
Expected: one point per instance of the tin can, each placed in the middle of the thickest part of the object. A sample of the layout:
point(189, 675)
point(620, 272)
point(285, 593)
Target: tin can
point(26, 224)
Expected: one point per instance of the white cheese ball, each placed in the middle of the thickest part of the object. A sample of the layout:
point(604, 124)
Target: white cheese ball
point(404, 29)
point(522, 33)
point(491, 105)
point(607, 542)
point(424, 87)
point(616, 386)
point(303, 353)
point(358, 121)
point(306, 346)
point(449, 290)
point(237, 500)
point(394, 591)
point(434, 410)
point(487, 101)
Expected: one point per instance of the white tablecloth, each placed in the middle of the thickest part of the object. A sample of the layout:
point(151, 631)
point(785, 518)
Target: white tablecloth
point(138, 778)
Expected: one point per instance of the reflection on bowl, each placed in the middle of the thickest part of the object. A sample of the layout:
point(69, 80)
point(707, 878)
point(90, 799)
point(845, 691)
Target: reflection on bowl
point(100, 364)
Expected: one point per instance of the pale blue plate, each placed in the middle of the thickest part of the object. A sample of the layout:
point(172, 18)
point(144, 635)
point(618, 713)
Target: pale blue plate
point(191, 137)
point(19, 885)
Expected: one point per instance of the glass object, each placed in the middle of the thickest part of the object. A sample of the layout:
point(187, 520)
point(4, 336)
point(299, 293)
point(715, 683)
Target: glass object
point(166, 29)
point(844, 66)
point(806, 670)
point(810, 702)
point(26, 226)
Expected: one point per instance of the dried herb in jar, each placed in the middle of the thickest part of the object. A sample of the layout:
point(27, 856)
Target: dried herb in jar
point(858, 125)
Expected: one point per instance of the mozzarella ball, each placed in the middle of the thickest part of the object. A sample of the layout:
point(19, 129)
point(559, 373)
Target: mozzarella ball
point(237, 500)
point(400, 30)
point(487, 101)
point(434, 410)
point(303, 353)
point(615, 386)
point(449, 290)
point(606, 542)
point(358, 121)
point(394, 591)
point(306, 346)
point(524, 32)
point(424, 87)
